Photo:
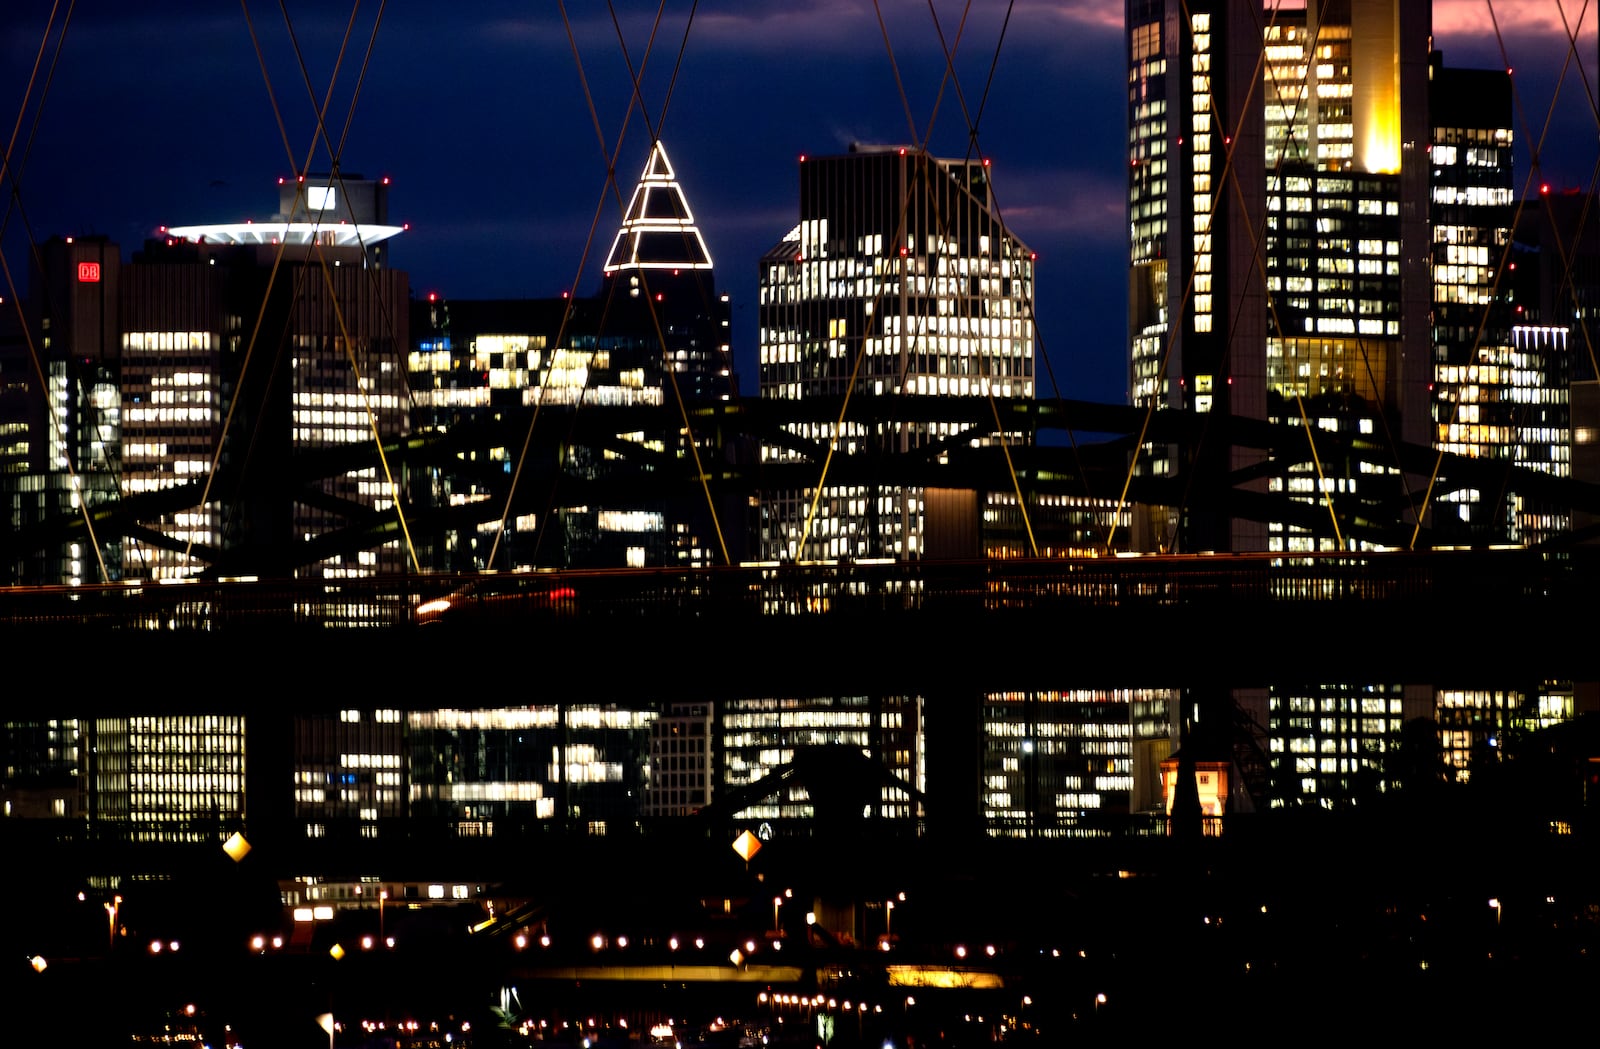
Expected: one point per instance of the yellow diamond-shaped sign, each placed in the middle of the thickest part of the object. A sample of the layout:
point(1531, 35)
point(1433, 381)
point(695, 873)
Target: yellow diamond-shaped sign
point(746, 845)
point(236, 847)
point(337, 951)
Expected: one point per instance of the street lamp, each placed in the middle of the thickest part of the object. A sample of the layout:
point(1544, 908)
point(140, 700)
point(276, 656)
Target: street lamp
point(111, 914)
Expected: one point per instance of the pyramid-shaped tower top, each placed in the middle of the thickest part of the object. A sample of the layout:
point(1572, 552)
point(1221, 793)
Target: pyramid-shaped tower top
point(658, 230)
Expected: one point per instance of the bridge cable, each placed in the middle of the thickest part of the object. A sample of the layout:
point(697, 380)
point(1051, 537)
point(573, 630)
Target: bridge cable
point(612, 188)
point(568, 311)
point(973, 122)
point(278, 256)
point(335, 156)
point(650, 301)
point(1175, 325)
point(12, 173)
point(921, 163)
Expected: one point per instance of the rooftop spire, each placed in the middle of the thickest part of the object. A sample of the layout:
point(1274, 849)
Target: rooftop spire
point(658, 230)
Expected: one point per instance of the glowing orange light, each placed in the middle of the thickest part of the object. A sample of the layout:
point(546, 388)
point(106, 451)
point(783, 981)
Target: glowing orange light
point(746, 845)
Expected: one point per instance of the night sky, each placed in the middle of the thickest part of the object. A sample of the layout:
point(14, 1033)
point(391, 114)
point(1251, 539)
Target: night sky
point(158, 114)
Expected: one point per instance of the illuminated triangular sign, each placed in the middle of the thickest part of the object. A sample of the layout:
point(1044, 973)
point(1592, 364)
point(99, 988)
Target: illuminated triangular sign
point(658, 230)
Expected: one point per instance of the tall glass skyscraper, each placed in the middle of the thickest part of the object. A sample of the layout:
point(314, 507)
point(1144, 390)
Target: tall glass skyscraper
point(1278, 246)
point(1319, 217)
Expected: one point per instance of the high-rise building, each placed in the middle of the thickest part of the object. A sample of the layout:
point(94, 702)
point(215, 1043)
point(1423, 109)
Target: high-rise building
point(208, 362)
point(246, 343)
point(1278, 253)
point(900, 281)
point(1320, 218)
point(658, 279)
point(1500, 389)
point(656, 334)
point(60, 413)
point(1556, 271)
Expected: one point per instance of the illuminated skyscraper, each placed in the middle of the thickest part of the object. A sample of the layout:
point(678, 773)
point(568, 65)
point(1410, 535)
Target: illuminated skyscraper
point(659, 280)
point(1278, 241)
point(1280, 256)
point(1500, 390)
point(291, 334)
point(656, 332)
point(1552, 381)
point(900, 281)
point(60, 414)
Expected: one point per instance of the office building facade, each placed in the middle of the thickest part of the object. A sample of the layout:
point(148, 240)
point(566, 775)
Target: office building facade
point(793, 760)
point(656, 334)
point(61, 413)
point(349, 772)
point(166, 779)
point(246, 344)
point(1320, 236)
point(1278, 268)
point(899, 281)
point(1076, 763)
point(195, 376)
point(579, 768)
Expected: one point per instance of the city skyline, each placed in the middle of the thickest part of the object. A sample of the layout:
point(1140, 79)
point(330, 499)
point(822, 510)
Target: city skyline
point(497, 167)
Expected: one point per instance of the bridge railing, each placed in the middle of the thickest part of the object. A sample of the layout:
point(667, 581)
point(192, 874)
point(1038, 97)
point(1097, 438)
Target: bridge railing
point(845, 589)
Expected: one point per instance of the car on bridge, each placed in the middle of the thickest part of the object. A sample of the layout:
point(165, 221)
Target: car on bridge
point(498, 598)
